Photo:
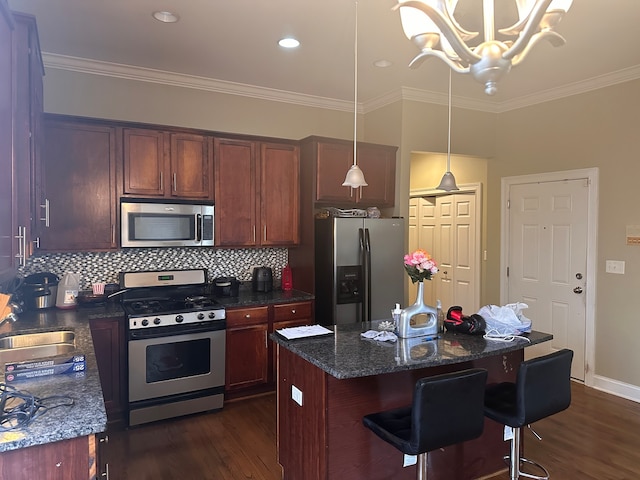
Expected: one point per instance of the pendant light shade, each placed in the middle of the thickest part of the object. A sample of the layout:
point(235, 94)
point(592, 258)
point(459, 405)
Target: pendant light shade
point(448, 182)
point(355, 176)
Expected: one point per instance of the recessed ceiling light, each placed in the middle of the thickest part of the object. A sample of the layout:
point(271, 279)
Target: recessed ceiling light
point(289, 42)
point(166, 17)
point(382, 63)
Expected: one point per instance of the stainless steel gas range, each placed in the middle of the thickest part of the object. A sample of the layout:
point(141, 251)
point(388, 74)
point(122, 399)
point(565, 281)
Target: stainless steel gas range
point(176, 344)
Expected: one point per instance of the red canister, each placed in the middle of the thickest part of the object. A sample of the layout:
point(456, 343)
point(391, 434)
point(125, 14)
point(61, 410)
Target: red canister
point(287, 280)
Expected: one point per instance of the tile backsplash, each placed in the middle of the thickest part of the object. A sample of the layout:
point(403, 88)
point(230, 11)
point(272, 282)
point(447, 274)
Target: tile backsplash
point(105, 266)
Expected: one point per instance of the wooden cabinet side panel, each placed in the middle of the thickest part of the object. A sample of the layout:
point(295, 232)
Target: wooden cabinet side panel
point(109, 346)
point(235, 192)
point(144, 162)
point(64, 460)
point(190, 166)
point(280, 194)
point(246, 357)
point(301, 435)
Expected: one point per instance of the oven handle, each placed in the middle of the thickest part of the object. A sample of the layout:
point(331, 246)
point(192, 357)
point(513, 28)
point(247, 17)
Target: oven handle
point(145, 333)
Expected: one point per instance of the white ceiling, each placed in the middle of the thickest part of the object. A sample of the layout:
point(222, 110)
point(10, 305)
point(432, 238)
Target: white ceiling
point(236, 41)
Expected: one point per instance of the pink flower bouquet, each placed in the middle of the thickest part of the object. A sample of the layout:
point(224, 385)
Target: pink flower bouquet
point(420, 266)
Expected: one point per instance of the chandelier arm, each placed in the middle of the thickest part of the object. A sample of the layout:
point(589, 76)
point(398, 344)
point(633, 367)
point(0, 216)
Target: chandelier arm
point(464, 34)
point(517, 27)
point(554, 38)
point(533, 23)
point(425, 54)
point(447, 29)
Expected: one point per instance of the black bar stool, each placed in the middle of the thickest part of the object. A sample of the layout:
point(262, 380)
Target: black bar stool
point(542, 388)
point(447, 409)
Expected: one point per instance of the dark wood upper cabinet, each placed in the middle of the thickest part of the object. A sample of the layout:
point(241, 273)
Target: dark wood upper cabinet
point(256, 193)
point(327, 160)
point(166, 164)
point(21, 73)
point(79, 185)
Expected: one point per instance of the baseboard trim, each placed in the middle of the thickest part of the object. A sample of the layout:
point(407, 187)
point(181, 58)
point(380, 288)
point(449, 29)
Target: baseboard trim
point(615, 387)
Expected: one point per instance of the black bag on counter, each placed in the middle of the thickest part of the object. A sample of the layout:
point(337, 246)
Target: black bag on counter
point(457, 322)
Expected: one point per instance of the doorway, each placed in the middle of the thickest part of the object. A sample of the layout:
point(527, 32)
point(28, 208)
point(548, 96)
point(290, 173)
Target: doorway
point(448, 226)
point(549, 258)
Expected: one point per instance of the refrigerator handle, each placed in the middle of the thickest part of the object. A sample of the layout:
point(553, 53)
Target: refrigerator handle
point(367, 276)
point(362, 312)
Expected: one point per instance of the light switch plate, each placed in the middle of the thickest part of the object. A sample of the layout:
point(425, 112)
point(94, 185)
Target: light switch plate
point(615, 266)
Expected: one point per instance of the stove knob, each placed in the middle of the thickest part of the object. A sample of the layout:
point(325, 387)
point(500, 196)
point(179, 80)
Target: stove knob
point(145, 322)
point(212, 315)
point(201, 316)
point(156, 321)
point(179, 318)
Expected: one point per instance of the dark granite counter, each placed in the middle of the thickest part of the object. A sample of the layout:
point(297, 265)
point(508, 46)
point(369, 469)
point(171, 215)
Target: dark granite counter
point(345, 354)
point(87, 414)
point(248, 298)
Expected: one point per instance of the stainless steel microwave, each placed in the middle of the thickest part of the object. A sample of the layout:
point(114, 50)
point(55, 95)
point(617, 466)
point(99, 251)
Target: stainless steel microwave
point(147, 224)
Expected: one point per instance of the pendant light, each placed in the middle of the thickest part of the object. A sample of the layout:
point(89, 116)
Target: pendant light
point(448, 182)
point(355, 177)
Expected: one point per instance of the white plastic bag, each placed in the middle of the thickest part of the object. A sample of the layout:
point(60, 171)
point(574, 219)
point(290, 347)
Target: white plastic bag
point(506, 320)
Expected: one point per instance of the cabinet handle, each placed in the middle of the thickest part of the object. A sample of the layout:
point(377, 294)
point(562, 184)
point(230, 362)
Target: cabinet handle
point(247, 315)
point(175, 189)
point(254, 234)
point(105, 474)
point(293, 310)
point(104, 439)
point(264, 233)
point(36, 242)
point(113, 234)
point(22, 245)
point(45, 219)
point(161, 181)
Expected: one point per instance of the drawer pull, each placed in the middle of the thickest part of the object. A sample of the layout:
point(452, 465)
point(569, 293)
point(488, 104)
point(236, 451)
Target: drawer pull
point(293, 310)
point(248, 315)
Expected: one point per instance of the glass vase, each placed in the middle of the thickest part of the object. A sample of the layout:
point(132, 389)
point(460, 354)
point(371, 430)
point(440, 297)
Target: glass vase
point(430, 327)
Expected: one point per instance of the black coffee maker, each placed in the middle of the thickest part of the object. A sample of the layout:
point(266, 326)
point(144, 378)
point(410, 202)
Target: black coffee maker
point(262, 279)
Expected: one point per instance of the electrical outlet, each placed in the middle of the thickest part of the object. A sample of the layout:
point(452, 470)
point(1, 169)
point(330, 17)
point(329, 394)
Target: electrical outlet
point(409, 460)
point(615, 266)
point(296, 394)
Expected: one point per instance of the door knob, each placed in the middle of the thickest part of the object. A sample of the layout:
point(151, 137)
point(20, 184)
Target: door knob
point(577, 290)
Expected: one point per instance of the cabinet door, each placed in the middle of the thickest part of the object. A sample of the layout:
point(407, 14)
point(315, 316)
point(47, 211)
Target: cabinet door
point(7, 201)
point(246, 348)
point(279, 194)
point(79, 183)
point(109, 345)
point(378, 164)
point(332, 162)
point(190, 166)
point(235, 192)
point(144, 162)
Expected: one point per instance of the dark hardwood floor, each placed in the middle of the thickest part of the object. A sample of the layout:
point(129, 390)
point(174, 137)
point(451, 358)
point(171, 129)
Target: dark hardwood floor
point(597, 438)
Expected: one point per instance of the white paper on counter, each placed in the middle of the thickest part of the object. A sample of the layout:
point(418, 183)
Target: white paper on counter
point(303, 331)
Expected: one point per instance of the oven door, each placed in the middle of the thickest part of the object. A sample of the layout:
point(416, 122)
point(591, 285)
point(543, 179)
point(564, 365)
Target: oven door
point(176, 364)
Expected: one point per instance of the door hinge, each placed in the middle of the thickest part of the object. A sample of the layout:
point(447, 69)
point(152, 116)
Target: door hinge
point(507, 271)
point(508, 204)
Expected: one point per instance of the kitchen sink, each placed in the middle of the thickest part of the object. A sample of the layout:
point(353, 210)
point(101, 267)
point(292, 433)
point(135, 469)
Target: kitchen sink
point(29, 346)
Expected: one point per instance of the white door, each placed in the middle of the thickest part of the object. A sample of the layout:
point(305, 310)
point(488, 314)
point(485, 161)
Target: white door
point(421, 235)
point(457, 252)
point(547, 262)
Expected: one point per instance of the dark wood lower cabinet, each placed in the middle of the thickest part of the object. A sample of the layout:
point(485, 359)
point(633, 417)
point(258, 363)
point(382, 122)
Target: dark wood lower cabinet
point(250, 355)
point(110, 348)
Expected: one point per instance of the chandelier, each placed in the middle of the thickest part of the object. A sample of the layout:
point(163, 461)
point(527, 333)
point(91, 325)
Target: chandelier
point(433, 27)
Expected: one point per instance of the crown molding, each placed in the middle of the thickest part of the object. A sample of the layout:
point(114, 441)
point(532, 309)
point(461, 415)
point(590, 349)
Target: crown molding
point(142, 74)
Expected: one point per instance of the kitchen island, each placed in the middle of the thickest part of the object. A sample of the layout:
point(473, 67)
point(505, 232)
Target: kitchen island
point(60, 442)
point(337, 379)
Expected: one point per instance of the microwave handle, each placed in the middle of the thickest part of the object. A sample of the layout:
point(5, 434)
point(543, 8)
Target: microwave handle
point(198, 227)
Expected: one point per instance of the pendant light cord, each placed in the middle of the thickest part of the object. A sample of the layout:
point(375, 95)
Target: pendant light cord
point(355, 88)
point(449, 130)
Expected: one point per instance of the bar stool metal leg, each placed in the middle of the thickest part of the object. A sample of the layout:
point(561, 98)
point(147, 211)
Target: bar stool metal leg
point(422, 466)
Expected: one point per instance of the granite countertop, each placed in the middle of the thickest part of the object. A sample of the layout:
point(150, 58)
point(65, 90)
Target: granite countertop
point(345, 354)
point(248, 298)
point(87, 414)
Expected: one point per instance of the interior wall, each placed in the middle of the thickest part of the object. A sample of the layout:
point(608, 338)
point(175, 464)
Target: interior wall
point(88, 95)
point(595, 129)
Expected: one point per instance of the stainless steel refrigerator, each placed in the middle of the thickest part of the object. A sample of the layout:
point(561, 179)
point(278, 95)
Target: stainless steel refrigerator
point(359, 268)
